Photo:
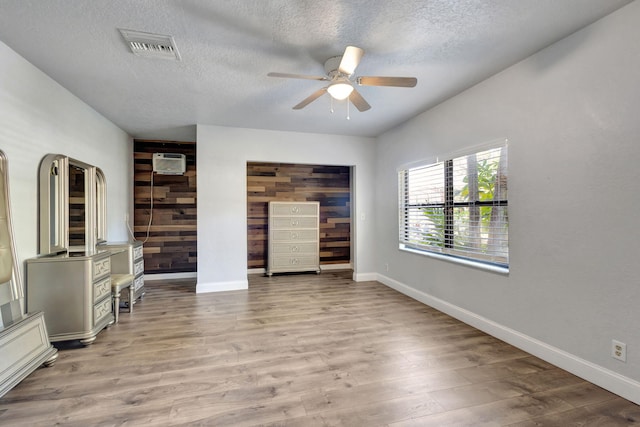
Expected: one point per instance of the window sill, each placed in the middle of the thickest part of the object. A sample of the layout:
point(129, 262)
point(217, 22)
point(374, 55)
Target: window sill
point(461, 261)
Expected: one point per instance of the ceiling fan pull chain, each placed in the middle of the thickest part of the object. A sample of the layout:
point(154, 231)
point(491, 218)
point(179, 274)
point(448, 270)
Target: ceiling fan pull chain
point(348, 117)
point(331, 108)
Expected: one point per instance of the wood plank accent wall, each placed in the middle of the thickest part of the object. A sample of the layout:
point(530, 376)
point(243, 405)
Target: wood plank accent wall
point(330, 185)
point(172, 243)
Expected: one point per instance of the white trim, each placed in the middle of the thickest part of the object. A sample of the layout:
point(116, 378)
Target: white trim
point(365, 277)
point(169, 276)
point(605, 378)
point(237, 285)
point(488, 145)
point(456, 260)
point(323, 267)
point(328, 267)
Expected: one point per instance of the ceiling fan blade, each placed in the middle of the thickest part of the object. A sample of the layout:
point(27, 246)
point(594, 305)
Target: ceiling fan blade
point(359, 102)
point(309, 99)
point(387, 81)
point(350, 60)
point(297, 76)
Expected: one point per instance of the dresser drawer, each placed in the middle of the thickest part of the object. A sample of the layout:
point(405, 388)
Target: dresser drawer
point(295, 262)
point(291, 222)
point(101, 288)
point(294, 248)
point(101, 310)
point(294, 209)
point(138, 252)
point(101, 267)
point(297, 235)
point(138, 283)
point(138, 268)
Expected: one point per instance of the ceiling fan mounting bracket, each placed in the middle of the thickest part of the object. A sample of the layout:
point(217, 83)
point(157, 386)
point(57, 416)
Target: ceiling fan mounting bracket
point(331, 66)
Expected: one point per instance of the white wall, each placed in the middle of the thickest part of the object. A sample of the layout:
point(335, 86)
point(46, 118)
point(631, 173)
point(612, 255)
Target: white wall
point(37, 117)
point(570, 113)
point(223, 153)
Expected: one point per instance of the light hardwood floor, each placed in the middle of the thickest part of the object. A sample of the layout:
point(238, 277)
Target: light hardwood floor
point(302, 350)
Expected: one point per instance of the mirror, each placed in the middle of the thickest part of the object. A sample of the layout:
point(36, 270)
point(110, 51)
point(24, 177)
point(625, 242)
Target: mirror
point(72, 205)
point(77, 206)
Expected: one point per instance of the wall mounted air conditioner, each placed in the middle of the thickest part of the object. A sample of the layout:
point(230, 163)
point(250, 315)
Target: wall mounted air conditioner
point(169, 163)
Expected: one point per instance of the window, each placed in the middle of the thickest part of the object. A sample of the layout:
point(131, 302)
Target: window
point(458, 208)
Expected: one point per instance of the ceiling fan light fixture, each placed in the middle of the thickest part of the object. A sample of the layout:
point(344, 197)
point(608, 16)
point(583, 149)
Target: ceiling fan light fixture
point(340, 90)
point(339, 73)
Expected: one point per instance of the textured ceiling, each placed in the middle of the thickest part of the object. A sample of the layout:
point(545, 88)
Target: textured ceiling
point(228, 47)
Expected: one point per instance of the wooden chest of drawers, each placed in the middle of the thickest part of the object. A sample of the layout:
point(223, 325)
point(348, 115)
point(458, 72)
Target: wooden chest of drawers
point(294, 237)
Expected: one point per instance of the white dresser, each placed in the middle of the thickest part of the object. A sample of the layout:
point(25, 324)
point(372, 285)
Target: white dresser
point(294, 237)
point(74, 292)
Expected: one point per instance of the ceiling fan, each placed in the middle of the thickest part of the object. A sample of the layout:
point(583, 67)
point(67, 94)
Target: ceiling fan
point(341, 80)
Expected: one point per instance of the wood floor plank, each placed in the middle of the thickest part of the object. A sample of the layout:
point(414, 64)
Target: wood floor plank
point(503, 369)
point(301, 350)
point(615, 413)
point(378, 414)
point(499, 413)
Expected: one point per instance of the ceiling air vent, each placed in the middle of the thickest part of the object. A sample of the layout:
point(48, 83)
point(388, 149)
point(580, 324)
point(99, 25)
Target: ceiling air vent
point(151, 45)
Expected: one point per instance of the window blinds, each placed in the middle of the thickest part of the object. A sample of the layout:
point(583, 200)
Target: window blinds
point(458, 207)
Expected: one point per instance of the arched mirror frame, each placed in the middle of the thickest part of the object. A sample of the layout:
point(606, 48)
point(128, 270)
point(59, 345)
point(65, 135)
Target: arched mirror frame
point(11, 294)
point(53, 215)
point(101, 206)
point(55, 199)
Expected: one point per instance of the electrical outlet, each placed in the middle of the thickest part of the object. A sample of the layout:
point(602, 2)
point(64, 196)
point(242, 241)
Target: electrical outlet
point(619, 350)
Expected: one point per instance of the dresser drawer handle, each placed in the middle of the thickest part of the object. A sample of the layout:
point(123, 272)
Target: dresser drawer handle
point(295, 261)
point(294, 235)
point(138, 283)
point(295, 249)
point(295, 209)
point(138, 267)
point(295, 222)
point(137, 253)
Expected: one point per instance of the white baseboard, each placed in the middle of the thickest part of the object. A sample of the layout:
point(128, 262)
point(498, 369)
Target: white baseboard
point(605, 378)
point(237, 285)
point(365, 277)
point(328, 267)
point(324, 267)
point(169, 276)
